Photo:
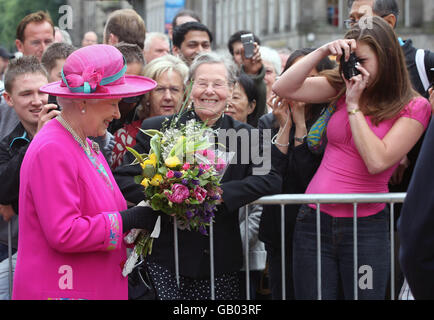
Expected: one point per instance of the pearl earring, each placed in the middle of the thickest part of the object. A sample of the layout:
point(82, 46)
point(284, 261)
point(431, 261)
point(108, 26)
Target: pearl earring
point(83, 111)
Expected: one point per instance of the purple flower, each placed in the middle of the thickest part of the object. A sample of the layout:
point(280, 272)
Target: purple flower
point(184, 182)
point(203, 231)
point(200, 172)
point(189, 214)
point(195, 182)
point(178, 174)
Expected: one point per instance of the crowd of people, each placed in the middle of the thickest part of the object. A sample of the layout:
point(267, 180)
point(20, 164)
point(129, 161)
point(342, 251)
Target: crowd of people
point(68, 115)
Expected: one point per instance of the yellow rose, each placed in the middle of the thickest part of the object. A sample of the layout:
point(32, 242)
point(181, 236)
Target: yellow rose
point(156, 180)
point(152, 160)
point(172, 162)
point(145, 182)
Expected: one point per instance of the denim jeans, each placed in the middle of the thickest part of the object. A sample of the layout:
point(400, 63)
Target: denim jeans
point(337, 252)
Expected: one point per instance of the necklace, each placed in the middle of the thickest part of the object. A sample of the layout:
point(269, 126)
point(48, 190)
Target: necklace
point(85, 146)
point(67, 126)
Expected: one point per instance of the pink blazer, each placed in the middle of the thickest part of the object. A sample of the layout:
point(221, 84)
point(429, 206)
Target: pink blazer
point(70, 231)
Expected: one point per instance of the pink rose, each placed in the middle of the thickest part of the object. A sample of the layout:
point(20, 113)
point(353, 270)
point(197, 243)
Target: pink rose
point(179, 193)
point(208, 153)
point(186, 166)
point(170, 174)
point(221, 164)
point(200, 194)
point(204, 167)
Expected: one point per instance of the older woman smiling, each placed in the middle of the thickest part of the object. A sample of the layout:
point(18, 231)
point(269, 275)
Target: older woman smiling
point(213, 82)
point(71, 209)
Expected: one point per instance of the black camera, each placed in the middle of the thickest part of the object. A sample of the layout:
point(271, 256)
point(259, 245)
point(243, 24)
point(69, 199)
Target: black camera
point(53, 100)
point(248, 42)
point(349, 67)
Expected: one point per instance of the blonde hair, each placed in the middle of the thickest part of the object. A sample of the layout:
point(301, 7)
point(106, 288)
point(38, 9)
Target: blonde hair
point(155, 69)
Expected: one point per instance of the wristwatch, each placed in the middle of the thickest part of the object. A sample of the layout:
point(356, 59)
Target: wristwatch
point(301, 140)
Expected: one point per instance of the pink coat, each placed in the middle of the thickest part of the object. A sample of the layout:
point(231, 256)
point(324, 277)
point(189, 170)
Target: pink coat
point(70, 231)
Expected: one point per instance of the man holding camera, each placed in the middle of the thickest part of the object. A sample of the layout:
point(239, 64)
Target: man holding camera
point(248, 58)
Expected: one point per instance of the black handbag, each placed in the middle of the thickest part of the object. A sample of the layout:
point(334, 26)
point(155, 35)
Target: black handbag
point(140, 285)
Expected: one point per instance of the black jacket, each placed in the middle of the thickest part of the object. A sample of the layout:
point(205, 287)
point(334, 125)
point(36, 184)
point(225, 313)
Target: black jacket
point(12, 150)
point(239, 186)
point(410, 59)
point(416, 224)
point(297, 169)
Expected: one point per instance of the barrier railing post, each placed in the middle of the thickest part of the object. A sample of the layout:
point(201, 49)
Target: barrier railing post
point(246, 253)
point(282, 231)
point(211, 254)
point(355, 252)
point(10, 259)
point(175, 232)
point(392, 251)
point(318, 249)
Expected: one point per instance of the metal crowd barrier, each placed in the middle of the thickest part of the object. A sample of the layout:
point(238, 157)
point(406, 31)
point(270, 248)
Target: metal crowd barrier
point(318, 199)
point(10, 275)
point(282, 200)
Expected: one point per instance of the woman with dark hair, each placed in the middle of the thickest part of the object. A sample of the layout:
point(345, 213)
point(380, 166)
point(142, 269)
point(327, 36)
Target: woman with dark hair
point(243, 100)
point(378, 119)
point(240, 106)
point(290, 121)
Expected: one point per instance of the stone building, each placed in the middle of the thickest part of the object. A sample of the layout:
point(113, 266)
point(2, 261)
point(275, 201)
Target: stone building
point(279, 23)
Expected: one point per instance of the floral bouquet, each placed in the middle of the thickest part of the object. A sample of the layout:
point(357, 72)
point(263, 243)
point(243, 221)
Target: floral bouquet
point(181, 176)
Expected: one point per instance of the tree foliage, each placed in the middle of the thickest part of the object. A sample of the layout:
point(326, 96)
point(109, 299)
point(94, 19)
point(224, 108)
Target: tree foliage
point(12, 11)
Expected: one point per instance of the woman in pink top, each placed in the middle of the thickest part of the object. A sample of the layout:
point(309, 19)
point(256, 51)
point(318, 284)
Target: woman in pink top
point(379, 118)
point(72, 213)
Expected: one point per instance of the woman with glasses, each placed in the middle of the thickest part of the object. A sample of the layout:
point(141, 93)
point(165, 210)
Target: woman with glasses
point(213, 84)
point(170, 73)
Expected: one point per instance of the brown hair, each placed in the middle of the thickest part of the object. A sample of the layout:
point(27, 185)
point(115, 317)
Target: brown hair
point(127, 25)
point(54, 52)
point(131, 52)
point(391, 91)
point(24, 65)
point(37, 17)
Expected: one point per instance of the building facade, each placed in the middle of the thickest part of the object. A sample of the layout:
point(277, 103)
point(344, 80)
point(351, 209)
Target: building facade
point(279, 23)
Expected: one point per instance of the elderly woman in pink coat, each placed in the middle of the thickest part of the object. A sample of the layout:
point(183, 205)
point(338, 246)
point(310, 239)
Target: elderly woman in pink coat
point(72, 213)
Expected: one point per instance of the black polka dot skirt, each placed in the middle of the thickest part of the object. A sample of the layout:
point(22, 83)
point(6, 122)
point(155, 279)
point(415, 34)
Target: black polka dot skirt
point(227, 286)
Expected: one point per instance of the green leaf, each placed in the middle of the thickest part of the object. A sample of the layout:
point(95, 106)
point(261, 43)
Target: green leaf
point(136, 154)
point(155, 147)
point(151, 132)
point(138, 179)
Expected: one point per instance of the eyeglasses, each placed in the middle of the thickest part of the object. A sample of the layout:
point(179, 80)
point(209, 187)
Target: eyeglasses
point(160, 90)
point(349, 23)
point(218, 85)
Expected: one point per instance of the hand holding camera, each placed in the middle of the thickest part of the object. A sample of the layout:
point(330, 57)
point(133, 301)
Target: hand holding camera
point(48, 112)
point(349, 68)
point(250, 54)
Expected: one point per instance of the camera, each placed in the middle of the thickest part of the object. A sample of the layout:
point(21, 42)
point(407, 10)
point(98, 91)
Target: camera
point(249, 44)
point(53, 100)
point(349, 67)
